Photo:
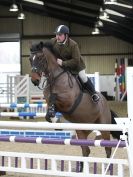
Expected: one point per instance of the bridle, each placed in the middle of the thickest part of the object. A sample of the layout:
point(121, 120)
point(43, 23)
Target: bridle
point(42, 69)
point(42, 65)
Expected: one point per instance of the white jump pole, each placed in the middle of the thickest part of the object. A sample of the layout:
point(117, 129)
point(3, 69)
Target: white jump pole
point(130, 115)
point(70, 126)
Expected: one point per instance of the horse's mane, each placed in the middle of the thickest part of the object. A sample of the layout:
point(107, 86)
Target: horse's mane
point(38, 47)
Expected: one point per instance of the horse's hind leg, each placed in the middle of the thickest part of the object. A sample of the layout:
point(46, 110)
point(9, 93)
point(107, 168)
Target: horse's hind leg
point(85, 149)
point(106, 136)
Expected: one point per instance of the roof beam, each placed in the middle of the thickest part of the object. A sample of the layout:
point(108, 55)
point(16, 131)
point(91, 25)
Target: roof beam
point(61, 14)
point(122, 10)
point(72, 6)
point(128, 2)
point(95, 2)
point(117, 31)
point(124, 22)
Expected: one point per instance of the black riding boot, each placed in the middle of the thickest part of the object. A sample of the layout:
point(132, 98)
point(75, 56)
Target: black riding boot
point(90, 88)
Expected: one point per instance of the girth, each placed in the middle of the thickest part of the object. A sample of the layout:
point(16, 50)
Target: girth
point(75, 105)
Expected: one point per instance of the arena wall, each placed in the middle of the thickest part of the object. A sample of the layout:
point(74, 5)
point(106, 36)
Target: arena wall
point(99, 52)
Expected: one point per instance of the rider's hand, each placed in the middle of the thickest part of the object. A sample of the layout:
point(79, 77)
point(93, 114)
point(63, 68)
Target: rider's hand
point(59, 61)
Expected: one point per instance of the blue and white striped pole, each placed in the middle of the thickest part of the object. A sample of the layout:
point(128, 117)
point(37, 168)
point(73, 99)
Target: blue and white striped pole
point(18, 114)
point(25, 105)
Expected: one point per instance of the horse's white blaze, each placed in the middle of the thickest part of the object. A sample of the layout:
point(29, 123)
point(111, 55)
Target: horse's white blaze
point(34, 57)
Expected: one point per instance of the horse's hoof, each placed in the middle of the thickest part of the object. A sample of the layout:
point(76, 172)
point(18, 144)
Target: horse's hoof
point(2, 173)
point(48, 119)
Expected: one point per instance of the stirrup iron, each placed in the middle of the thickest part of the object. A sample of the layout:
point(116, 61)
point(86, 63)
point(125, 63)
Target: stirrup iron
point(95, 98)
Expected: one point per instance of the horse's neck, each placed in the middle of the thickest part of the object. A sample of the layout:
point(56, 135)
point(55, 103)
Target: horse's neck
point(53, 66)
point(64, 85)
point(57, 71)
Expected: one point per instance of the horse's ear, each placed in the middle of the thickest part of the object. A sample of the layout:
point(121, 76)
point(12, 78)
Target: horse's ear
point(36, 47)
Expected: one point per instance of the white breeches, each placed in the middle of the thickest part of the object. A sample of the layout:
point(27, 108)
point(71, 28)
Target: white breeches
point(83, 76)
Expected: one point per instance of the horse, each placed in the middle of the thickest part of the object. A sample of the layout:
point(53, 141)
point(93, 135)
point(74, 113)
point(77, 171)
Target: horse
point(63, 91)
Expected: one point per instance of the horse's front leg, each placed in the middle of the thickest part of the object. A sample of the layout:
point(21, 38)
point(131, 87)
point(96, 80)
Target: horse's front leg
point(51, 111)
point(82, 134)
point(106, 136)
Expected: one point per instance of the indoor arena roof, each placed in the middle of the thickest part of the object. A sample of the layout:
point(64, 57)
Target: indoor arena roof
point(112, 17)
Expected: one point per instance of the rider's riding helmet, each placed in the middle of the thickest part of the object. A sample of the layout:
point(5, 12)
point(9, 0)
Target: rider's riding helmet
point(62, 29)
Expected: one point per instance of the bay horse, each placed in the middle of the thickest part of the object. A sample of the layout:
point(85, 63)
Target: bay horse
point(62, 88)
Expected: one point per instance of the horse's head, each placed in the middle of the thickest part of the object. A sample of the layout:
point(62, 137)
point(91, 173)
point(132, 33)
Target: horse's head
point(40, 59)
point(36, 61)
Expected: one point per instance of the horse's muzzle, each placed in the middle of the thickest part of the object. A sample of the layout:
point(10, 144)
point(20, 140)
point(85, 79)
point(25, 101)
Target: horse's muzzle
point(35, 82)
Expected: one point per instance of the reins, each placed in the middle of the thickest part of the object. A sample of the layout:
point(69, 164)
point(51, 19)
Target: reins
point(69, 77)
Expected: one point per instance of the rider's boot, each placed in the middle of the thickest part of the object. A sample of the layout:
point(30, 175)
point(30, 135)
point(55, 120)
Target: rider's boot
point(90, 88)
point(50, 113)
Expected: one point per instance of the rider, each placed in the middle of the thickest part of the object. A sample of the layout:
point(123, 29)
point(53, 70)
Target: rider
point(71, 59)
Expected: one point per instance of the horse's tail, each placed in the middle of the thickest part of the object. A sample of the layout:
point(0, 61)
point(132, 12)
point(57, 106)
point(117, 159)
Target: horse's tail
point(115, 134)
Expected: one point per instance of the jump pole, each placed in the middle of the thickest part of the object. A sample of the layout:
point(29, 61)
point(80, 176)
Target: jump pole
point(70, 126)
point(17, 114)
point(25, 105)
point(22, 166)
point(75, 142)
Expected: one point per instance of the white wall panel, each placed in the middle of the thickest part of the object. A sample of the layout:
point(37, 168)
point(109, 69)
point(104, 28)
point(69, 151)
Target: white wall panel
point(101, 45)
point(103, 64)
point(79, 29)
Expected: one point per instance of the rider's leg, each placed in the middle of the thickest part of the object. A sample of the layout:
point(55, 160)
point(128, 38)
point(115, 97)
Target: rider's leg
point(89, 86)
